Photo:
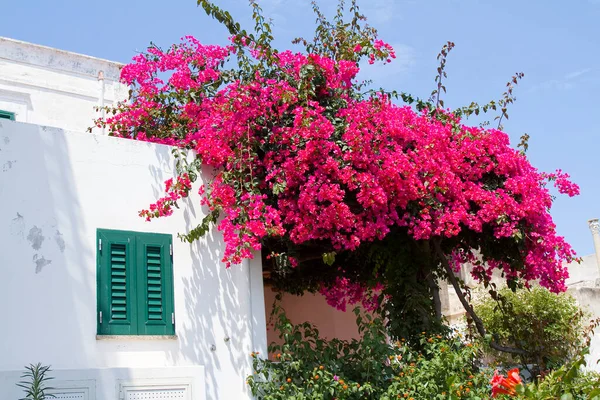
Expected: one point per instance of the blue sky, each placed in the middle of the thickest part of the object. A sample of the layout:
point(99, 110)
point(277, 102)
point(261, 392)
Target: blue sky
point(555, 43)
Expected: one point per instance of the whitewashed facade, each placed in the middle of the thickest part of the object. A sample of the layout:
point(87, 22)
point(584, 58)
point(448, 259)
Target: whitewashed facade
point(58, 185)
point(584, 285)
point(52, 87)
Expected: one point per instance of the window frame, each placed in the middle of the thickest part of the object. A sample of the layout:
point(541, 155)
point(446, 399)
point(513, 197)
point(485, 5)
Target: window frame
point(137, 320)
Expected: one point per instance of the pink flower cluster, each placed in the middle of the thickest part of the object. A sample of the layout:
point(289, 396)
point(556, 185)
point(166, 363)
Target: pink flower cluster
point(288, 164)
point(562, 183)
point(175, 191)
point(344, 292)
point(382, 50)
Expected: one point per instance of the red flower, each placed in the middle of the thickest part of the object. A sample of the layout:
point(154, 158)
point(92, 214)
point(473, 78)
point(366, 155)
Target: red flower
point(502, 385)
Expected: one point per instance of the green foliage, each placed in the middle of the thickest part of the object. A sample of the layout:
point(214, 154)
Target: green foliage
point(309, 367)
point(412, 283)
point(446, 368)
point(201, 229)
point(566, 383)
point(35, 381)
point(548, 326)
point(406, 265)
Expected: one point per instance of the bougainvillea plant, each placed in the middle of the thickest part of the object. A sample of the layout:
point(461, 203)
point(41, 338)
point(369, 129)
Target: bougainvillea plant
point(342, 187)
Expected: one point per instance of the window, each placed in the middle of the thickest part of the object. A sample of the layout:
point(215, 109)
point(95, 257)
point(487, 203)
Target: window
point(135, 283)
point(7, 115)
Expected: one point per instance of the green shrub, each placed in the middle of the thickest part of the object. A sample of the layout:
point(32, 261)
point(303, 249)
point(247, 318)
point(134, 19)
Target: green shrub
point(309, 367)
point(548, 326)
point(446, 369)
point(567, 382)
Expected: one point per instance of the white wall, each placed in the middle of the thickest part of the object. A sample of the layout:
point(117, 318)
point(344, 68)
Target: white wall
point(584, 273)
point(582, 283)
point(108, 383)
point(52, 87)
point(589, 299)
point(56, 189)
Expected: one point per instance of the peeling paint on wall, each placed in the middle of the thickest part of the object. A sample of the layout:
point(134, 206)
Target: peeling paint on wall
point(40, 262)
point(8, 165)
point(35, 237)
point(60, 241)
point(6, 139)
point(17, 226)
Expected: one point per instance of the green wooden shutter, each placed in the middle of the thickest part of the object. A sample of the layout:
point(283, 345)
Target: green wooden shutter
point(116, 277)
point(155, 285)
point(7, 115)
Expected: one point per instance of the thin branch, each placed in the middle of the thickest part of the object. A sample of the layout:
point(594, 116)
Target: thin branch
point(435, 292)
point(441, 74)
point(508, 98)
point(468, 308)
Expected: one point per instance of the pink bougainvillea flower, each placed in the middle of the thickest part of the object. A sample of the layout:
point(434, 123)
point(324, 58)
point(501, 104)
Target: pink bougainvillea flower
point(287, 164)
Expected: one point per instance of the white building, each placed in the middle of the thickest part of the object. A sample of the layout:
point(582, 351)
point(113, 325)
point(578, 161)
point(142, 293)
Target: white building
point(584, 285)
point(119, 307)
point(45, 86)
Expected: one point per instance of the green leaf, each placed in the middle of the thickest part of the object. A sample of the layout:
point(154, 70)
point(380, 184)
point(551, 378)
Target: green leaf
point(201, 229)
point(594, 394)
point(329, 258)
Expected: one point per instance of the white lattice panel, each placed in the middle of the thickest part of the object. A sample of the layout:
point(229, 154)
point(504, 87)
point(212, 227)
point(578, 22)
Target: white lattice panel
point(70, 396)
point(74, 389)
point(157, 394)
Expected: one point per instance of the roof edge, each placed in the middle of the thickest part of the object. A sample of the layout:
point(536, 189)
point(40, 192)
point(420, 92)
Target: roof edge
point(45, 56)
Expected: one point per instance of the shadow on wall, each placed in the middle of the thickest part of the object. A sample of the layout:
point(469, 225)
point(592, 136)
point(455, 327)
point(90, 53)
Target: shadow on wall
point(46, 249)
point(217, 334)
point(56, 189)
point(217, 331)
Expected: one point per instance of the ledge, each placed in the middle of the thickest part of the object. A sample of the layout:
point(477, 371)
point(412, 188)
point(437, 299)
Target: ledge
point(136, 337)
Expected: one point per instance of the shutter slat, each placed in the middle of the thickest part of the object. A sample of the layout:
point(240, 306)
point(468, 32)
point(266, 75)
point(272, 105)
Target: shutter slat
point(154, 282)
point(118, 282)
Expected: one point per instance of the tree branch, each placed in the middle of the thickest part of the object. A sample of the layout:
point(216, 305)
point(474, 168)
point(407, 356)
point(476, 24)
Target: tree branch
point(435, 292)
point(468, 308)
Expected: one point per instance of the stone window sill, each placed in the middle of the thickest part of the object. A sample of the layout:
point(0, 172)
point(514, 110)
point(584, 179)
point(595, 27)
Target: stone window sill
point(136, 337)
